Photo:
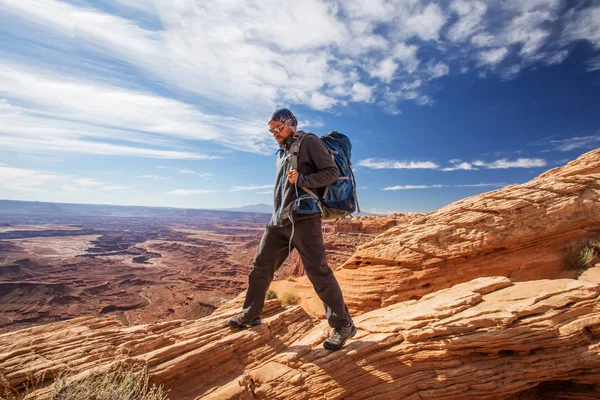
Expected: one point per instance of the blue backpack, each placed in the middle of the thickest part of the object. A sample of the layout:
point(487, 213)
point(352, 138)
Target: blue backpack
point(339, 198)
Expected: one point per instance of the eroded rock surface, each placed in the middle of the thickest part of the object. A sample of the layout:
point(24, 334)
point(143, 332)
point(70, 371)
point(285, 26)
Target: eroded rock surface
point(487, 338)
point(519, 231)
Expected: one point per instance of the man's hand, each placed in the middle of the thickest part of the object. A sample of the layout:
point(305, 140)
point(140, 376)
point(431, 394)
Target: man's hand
point(292, 176)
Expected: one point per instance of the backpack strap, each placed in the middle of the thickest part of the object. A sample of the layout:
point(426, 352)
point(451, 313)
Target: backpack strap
point(294, 152)
point(295, 148)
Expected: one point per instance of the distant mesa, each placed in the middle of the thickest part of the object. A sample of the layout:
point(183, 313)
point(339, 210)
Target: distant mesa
point(16, 207)
point(257, 208)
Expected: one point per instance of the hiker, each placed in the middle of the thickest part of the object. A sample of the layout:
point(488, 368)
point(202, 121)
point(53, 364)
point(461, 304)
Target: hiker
point(297, 227)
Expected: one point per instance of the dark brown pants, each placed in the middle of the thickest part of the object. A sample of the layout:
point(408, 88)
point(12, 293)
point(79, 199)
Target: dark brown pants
point(272, 252)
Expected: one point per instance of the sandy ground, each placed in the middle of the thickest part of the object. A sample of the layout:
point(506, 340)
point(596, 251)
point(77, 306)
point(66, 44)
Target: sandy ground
point(54, 248)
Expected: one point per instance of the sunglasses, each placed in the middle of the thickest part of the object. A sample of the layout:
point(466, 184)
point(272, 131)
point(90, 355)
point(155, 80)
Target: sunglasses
point(280, 127)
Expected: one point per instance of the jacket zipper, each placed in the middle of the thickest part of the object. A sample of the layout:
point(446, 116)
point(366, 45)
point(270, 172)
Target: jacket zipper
point(281, 180)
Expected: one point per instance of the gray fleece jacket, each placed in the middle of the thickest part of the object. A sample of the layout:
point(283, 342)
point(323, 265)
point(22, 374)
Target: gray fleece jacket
point(316, 169)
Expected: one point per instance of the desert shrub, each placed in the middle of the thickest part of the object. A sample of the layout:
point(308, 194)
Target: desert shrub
point(270, 294)
point(33, 382)
point(289, 298)
point(580, 255)
point(594, 244)
point(121, 382)
point(291, 279)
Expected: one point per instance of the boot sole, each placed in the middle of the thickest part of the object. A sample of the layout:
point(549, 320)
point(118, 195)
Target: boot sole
point(243, 326)
point(332, 347)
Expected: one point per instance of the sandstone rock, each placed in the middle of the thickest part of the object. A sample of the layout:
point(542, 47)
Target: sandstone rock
point(371, 224)
point(487, 338)
point(519, 231)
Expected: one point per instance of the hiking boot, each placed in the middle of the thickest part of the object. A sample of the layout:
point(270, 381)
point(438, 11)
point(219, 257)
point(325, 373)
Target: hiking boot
point(339, 336)
point(241, 322)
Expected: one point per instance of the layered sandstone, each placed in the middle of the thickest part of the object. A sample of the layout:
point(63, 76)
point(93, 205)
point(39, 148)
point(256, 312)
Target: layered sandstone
point(370, 224)
point(519, 231)
point(474, 340)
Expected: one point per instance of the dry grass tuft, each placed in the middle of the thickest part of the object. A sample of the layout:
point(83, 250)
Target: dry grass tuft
point(581, 255)
point(289, 298)
point(270, 294)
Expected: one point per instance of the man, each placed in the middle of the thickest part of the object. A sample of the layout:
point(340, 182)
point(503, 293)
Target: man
point(289, 229)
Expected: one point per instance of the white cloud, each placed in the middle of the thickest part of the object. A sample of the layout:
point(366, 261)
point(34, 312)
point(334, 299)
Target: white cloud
point(56, 106)
point(458, 165)
point(505, 163)
point(424, 100)
point(146, 6)
point(427, 24)
point(511, 72)
point(584, 25)
point(470, 15)
point(557, 58)
point(411, 187)
point(361, 92)
point(311, 124)
point(411, 86)
point(190, 172)
point(23, 179)
point(321, 101)
point(87, 182)
point(385, 69)
point(483, 40)
point(575, 143)
point(407, 55)
point(492, 57)
point(226, 54)
point(438, 70)
point(527, 30)
point(265, 192)
point(86, 189)
point(153, 177)
point(60, 97)
point(30, 180)
point(55, 145)
point(250, 187)
point(91, 27)
point(368, 9)
point(89, 185)
point(242, 64)
point(189, 192)
point(376, 163)
point(594, 64)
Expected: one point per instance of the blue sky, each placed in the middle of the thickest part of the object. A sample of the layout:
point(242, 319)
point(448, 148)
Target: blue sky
point(166, 103)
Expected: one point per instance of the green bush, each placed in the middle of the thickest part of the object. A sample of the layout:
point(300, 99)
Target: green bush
point(271, 294)
point(580, 255)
